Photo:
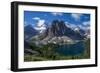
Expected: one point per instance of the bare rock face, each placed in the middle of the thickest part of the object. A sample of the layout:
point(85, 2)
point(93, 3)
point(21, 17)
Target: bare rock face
point(58, 29)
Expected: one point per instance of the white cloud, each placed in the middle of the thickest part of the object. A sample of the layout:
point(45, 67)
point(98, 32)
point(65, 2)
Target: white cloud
point(40, 25)
point(57, 13)
point(76, 16)
point(40, 29)
point(36, 18)
point(86, 23)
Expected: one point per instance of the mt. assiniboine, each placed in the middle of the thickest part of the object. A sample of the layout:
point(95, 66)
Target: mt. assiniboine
point(58, 32)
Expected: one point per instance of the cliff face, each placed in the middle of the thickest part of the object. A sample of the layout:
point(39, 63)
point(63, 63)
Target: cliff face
point(59, 29)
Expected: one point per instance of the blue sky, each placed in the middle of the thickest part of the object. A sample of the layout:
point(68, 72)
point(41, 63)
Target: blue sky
point(38, 18)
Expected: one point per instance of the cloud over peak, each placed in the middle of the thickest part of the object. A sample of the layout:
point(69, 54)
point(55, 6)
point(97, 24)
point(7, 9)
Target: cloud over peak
point(86, 23)
point(57, 13)
point(76, 16)
point(36, 18)
point(40, 25)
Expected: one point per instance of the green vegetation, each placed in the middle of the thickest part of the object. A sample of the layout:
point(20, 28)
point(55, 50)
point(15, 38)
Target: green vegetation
point(47, 52)
point(87, 49)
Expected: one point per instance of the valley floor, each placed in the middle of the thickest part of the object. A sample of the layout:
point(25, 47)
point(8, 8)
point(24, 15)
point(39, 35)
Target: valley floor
point(48, 52)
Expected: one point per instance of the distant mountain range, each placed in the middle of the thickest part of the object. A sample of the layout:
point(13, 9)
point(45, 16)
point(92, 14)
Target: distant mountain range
point(57, 32)
point(29, 32)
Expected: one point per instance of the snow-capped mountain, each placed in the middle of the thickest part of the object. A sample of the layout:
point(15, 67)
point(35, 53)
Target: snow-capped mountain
point(58, 32)
point(79, 28)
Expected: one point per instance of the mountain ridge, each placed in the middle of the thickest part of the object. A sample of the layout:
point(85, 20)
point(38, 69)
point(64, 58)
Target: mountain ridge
point(57, 33)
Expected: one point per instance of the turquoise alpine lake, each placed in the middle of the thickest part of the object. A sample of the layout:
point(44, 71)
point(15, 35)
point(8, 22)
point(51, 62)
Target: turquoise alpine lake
point(71, 49)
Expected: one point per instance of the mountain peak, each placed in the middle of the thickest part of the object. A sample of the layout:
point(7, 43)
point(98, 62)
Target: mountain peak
point(59, 29)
